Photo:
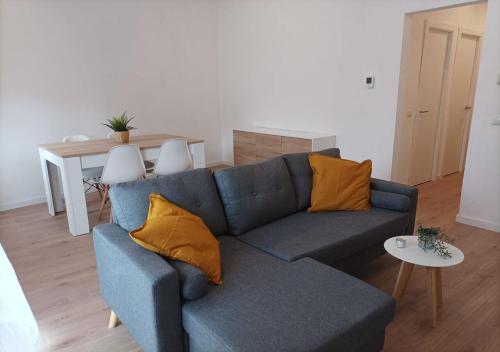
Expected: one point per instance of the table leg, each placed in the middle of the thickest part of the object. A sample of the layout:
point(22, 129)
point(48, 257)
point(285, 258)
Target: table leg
point(53, 191)
point(402, 281)
point(198, 153)
point(439, 286)
point(434, 289)
point(74, 196)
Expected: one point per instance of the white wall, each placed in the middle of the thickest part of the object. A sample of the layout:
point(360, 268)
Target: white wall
point(480, 203)
point(300, 64)
point(65, 66)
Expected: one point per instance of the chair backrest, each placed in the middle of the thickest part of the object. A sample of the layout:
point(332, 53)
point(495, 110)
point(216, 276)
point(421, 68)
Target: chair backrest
point(75, 138)
point(124, 163)
point(174, 157)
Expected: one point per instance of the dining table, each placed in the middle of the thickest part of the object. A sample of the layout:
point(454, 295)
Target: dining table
point(68, 160)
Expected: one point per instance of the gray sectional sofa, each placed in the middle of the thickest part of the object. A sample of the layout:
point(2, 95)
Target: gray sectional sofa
point(281, 291)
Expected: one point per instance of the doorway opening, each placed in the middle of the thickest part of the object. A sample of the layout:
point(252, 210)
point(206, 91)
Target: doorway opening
point(439, 66)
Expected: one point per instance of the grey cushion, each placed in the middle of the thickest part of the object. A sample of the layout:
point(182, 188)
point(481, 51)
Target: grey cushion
point(193, 282)
point(327, 237)
point(301, 174)
point(388, 200)
point(192, 190)
point(266, 304)
point(254, 195)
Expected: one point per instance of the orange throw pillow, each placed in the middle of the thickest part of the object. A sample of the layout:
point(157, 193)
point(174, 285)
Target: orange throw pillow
point(339, 184)
point(177, 234)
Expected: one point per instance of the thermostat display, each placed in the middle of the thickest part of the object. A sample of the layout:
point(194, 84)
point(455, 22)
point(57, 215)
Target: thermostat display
point(370, 81)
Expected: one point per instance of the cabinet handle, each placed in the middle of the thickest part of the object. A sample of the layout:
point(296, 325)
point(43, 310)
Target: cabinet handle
point(468, 107)
point(423, 111)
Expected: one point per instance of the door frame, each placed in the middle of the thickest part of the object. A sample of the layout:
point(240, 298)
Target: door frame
point(452, 31)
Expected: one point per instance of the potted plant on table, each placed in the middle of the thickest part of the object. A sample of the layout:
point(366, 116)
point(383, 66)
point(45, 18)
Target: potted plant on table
point(120, 124)
point(433, 238)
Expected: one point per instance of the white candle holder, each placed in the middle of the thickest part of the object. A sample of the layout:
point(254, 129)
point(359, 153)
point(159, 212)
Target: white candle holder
point(400, 242)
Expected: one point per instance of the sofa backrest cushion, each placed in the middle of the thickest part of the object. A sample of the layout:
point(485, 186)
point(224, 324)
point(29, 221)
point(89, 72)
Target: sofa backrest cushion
point(194, 191)
point(301, 174)
point(257, 194)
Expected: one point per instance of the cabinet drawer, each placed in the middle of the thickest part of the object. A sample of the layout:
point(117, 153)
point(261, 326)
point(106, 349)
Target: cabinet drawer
point(244, 154)
point(241, 137)
point(296, 145)
point(267, 146)
point(244, 147)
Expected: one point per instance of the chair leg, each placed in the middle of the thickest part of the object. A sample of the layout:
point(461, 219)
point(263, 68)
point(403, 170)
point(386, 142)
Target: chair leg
point(103, 202)
point(100, 189)
point(113, 320)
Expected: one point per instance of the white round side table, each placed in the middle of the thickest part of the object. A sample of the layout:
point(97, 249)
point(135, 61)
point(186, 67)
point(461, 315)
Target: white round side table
point(412, 255)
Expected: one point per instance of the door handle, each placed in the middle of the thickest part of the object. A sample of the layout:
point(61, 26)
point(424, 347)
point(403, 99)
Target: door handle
point(468, 107)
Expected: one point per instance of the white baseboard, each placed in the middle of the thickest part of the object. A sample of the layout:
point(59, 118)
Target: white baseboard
point(484, 224)
point(21, 203)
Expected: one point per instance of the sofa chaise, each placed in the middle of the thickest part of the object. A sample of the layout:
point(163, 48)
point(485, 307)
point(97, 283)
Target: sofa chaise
point(282, 288)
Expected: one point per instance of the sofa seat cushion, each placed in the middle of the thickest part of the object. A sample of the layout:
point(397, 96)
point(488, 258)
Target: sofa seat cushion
point(266, 304)
point(327, 237)
point(255, 195)
point(193, 190)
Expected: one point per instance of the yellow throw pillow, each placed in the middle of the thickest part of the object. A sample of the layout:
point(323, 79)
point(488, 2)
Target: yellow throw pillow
point(177, 234)
point(339, 184)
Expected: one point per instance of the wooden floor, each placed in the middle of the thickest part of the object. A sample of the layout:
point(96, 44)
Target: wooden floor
point(58, 274)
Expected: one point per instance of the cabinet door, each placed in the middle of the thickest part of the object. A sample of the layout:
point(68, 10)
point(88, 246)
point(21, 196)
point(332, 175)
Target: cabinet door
point(244, 147)
point(268, 146)
point(296, 145)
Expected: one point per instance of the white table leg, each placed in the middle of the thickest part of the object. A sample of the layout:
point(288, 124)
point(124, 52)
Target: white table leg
point(198, 154)
point(74, 196)
point(53, 191)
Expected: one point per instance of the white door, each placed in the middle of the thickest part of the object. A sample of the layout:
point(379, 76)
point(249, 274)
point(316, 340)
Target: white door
point(461, 99)
point(435, 61)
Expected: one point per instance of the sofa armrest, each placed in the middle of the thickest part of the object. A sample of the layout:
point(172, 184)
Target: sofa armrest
point(410, 191)
point(140, 287)
point(388, 200)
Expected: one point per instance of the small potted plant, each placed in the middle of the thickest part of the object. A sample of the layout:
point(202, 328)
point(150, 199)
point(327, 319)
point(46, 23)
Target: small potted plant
point(120, 124)
point(433, 238)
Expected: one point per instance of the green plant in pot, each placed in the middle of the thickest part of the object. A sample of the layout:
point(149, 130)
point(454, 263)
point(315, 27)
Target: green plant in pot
point(432, 238)
point(120, 124)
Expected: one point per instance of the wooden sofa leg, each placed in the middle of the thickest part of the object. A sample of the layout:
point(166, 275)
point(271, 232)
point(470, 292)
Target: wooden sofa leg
point(113, 320)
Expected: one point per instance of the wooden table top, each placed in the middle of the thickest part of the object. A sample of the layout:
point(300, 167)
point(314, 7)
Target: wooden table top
point(99, 146)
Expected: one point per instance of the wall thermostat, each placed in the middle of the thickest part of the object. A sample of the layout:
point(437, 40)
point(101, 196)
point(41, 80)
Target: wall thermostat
point(370, 81)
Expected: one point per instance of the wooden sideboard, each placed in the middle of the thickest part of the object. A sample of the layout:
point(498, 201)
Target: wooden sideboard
point(254, 144)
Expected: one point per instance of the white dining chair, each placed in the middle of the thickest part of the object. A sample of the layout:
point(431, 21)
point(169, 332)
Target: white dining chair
point(124, 163)
point(174, 157)
point(91, 175)
point(148, 164)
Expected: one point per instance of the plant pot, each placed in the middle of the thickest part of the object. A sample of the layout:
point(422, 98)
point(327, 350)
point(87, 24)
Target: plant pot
point(122, 136)
point(426, 242)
